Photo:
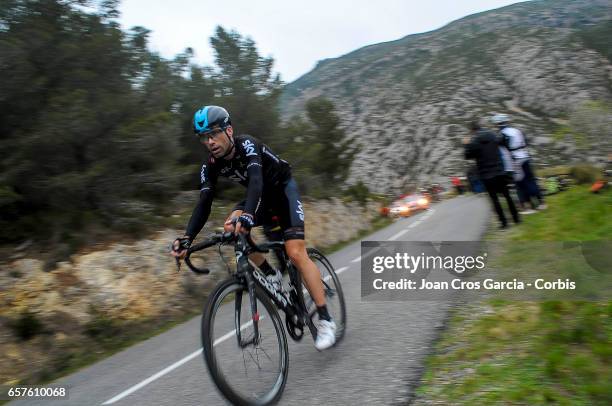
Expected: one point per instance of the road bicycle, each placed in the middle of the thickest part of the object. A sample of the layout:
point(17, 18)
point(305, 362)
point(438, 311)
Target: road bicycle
point(244, 343)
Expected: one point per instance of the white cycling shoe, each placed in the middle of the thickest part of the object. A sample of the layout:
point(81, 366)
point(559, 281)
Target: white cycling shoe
point(326, 335)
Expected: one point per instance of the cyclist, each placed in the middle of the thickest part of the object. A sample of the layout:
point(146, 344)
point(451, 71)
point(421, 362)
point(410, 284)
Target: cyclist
point(270, 189)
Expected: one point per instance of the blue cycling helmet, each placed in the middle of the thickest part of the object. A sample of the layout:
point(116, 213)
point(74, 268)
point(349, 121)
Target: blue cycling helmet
point(208, 117)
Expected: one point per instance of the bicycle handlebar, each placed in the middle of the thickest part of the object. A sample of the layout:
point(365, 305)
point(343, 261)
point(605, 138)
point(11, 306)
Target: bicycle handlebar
point(227, 238)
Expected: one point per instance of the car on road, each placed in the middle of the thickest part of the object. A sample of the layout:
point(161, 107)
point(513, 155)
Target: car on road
point(408, 205)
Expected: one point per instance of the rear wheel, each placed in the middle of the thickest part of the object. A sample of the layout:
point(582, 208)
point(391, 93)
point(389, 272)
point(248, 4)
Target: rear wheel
point(253, 374)
point(334, 297)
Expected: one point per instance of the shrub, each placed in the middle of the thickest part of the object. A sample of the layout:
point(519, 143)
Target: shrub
point(101, 327)
point(584, 174)
point(358, 192)
point(26, 326)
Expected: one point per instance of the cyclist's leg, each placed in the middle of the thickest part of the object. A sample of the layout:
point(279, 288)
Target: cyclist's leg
point(296, 249)
point(273, 232)
point(292, 223)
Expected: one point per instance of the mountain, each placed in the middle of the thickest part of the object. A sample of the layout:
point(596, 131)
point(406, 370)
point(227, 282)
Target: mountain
point(407, 102)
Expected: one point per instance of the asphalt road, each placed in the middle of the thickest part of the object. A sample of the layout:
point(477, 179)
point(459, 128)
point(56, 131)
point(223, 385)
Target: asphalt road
point(377, 363)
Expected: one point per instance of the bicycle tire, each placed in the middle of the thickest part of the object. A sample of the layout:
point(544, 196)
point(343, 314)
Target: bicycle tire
point(207, 329)
point(340, 316)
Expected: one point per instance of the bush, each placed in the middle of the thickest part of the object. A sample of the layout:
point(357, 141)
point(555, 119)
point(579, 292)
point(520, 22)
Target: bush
point(358, 192)
point(553, 171)
point(101, 327)
point(584, 174)
point(26, 326)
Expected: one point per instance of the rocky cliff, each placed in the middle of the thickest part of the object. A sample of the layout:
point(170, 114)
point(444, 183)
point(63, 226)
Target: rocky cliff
point(406, 102)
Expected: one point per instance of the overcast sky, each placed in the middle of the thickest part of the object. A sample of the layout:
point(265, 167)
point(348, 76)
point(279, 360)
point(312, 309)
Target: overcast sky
point(296, 34)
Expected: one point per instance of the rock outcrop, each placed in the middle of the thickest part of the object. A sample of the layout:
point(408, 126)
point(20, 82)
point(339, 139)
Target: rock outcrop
point(406, 103)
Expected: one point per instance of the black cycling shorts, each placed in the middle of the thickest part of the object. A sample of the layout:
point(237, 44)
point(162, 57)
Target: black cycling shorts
point(281, 213)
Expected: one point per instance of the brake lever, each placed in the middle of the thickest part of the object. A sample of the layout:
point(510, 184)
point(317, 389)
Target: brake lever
point(178, 261)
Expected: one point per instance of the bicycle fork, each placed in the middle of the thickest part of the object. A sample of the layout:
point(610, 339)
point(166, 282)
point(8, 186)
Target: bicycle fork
point(253, 311)
point(243, 270)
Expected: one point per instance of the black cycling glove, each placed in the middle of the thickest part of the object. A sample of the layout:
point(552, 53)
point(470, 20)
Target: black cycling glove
point(181, 243)
point(247, 221)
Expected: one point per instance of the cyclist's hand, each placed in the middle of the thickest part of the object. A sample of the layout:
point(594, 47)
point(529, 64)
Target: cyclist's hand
point(244, 224)
point(180, 247)
point(230, 225)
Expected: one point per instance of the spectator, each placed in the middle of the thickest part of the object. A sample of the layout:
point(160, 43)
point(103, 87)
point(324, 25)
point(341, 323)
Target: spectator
point(526, 185)
point(476, 185)
point(457, 184)
point(484, 148)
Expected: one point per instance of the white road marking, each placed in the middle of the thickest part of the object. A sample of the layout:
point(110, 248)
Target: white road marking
point(398, 235)
point(367, 254)
point(340, 270)
point(153, 377)
point(425, 216)
point(174, 366)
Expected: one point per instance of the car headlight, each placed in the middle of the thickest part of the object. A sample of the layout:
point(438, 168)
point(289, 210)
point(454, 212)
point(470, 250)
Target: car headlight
point(423, 202)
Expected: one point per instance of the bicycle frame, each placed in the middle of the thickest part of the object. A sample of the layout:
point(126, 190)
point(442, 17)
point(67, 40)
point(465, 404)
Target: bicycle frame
point(291, 303)
point(263, 294)
point(292, 307)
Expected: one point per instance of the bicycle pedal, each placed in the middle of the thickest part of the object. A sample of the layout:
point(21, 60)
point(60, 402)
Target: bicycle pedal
point(295, 328)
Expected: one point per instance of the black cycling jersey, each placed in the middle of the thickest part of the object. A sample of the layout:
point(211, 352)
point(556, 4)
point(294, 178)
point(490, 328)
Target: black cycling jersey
point(253, 165)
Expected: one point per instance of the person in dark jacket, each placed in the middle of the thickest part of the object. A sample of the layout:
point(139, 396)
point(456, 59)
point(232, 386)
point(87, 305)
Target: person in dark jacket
point(484, 148)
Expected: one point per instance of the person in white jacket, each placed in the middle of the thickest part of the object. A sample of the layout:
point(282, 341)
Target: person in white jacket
point(514, 141)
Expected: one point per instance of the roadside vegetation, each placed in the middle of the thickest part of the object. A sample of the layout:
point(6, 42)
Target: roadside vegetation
point(85, 163)
point(498, 351)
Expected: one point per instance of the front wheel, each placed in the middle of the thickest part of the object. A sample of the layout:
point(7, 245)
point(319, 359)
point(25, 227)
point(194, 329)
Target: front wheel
point(246, 374)
point(334, 297)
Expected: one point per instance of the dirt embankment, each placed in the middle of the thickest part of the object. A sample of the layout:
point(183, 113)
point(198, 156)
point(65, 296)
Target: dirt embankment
point(46, 316)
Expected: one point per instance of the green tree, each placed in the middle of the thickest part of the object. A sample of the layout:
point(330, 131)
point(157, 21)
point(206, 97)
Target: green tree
point(70, 118)
point(245, 84)
point(335, 153)
point(317, 148)
point(94, 127)
point(196, 91)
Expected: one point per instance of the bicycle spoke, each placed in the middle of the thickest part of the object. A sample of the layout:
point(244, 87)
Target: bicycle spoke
point(245, 365)
point(265, 353)
point(256, 361)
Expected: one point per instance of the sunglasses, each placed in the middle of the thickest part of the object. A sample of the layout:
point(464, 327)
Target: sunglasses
point(210, 134)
